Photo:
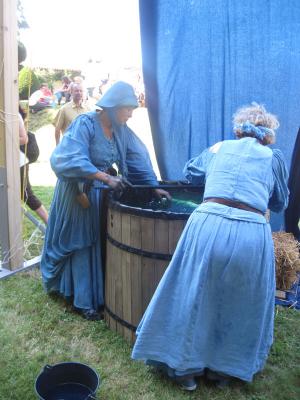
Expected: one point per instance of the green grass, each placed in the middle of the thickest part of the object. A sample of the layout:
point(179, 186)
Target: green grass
point(36, 330)
point(39, 119)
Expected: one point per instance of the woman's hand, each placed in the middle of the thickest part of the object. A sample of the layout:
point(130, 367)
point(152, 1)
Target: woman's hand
point(116, 183)
point(162, 193)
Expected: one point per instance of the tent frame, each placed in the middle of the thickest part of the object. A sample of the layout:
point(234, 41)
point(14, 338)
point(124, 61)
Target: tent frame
point(11, 243)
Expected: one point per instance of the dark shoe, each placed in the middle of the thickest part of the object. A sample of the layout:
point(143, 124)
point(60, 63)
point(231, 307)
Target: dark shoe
point(221, 380)
point(91, 315)
point(54, 295)
point(188, 384)
point(222, 383)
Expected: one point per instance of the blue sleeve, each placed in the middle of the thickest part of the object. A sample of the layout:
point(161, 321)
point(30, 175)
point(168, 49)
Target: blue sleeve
point(280, 195)
point(71, 158)
point(196, 168)
point(138, 162)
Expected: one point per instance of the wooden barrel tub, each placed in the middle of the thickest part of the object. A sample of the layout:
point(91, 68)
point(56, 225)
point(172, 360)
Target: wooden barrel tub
point(140, 244)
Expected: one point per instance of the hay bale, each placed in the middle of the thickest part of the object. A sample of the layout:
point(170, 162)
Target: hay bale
point(287, 259)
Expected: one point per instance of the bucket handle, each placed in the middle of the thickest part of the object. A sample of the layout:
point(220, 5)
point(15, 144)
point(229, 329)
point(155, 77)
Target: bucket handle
point(47, 368)
point(91, 397)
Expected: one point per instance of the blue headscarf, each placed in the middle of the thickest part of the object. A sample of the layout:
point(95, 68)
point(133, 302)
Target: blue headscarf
point(259, 132)
point(120, 94)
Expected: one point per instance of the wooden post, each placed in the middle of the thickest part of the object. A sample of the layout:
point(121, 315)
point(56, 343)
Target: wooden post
point(10, 200)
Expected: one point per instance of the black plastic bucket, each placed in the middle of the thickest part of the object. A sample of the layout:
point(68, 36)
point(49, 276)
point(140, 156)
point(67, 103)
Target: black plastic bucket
point(67, 381)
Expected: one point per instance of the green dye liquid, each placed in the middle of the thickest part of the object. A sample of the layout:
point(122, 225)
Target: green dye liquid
point(182, 202)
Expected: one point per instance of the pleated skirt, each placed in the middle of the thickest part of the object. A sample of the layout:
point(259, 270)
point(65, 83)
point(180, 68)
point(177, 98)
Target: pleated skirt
point(71, 260)
point(214, 307)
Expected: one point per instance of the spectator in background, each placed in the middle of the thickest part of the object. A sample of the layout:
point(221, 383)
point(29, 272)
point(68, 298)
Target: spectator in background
point(41, 99)
point(64, 91)
point(141, 99)
point(78, 79)
point(81, 81)
point(70, 111)
point(140, 91)
point(91, 75)
point(27, 194)
point(104, 86)
point(99, 91)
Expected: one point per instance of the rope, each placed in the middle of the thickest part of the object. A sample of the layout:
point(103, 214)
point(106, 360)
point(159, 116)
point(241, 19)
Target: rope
point(26, 124)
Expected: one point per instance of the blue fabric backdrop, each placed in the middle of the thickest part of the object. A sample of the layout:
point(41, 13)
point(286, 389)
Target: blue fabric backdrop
point(202, 59)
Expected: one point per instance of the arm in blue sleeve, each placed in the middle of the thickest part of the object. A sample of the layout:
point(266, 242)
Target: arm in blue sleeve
point(280, 195)
point(195, 169)
point(139, 166)
point(71, 158)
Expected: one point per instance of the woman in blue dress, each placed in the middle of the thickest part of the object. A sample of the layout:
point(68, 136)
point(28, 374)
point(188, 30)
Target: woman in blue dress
point(214, 307)
point(94, 142)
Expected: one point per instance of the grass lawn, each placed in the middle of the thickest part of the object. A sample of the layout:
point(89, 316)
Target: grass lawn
point(41, 118)
point(36, 330)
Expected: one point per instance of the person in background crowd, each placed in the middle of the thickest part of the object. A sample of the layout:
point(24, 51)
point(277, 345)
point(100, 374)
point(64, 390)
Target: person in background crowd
point(91, 75)
point(64, 91)
point(140, 91)
point(142, 100)
point(81, 81)
point(41, 99)
point(70, 111)
point(71, 260)
point(30, 198)
point(78, 79)
point(104, 86)
point(213, 311)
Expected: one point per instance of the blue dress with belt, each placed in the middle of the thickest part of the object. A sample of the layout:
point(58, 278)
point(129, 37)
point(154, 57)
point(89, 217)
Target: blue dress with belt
point(214, 306)
point(71, 260)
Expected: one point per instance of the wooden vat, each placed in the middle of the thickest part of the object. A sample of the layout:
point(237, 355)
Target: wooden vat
point(140, 244)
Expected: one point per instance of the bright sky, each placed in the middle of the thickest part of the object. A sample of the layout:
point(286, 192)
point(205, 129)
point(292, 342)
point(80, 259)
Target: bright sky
point(66, 33)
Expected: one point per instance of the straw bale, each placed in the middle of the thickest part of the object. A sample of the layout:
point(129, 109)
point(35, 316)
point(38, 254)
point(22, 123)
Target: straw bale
point(287, 259)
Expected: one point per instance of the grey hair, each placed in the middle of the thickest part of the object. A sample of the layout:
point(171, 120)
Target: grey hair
point(256, 115)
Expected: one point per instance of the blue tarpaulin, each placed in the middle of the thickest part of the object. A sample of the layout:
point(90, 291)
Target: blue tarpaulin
point(202, 59)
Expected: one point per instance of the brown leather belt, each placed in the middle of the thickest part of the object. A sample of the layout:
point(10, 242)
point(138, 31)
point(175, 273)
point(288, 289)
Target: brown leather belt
point(232, 203)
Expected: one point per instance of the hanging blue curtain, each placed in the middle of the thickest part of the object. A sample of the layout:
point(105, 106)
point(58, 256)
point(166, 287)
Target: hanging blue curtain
point(202, 59)
point(292, 213)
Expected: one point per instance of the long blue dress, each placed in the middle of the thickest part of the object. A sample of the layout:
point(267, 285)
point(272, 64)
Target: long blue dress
point(214, 306)
point(71, 260)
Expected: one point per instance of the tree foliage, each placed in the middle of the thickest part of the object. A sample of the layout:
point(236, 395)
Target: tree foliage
point(22, 23)
point(28, 83)
point(22, 53)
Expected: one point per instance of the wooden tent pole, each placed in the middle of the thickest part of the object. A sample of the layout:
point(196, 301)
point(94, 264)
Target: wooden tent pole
point(10, 200)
